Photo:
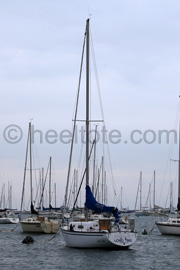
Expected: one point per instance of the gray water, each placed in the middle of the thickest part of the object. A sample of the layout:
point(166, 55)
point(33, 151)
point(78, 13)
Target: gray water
point(152, 251)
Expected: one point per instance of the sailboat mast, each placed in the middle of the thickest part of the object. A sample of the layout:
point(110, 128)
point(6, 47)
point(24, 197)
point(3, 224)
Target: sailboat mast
point(121, 198)
point(105, 198)
point(30, 153)
point(171, 196)
point(55, 194)
point(25, 166)
point(149, 195)
point(178, 205)
point(42, 203)
point(102, 179)
point(140, 190)
point(87, 108)
point(154, 188)
point(50, 182)
point(94, 163)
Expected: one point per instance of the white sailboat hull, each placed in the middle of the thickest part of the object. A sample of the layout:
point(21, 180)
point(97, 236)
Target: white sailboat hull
point(34, 227)
point(32, 224)
point(98, 239)
point(169, 229)
point(8, 220)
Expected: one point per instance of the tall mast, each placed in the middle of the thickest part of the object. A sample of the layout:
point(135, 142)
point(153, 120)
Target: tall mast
point(178, 205)
point(94, 163)
point(121, 198)
point(25, 166)
point(154, 188)
point(42, 202)
point(77, 184)
point(102, 179)
point(87, 107)
point(30, 153)
point(149, 196)
point(171, 196)
point(55, 194)
point(105, 198)
point(8, 195)
point(4, 198)
point(50, 182)
point(140, 190)
point(74, 185)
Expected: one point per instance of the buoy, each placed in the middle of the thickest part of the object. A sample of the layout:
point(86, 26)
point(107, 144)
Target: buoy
point(28, 240)
point(144, 231)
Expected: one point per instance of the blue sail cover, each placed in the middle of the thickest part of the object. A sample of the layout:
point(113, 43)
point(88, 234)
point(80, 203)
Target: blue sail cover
point(92, 204)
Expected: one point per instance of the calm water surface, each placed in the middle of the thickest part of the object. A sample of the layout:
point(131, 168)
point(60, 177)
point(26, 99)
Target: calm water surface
point(152, 251)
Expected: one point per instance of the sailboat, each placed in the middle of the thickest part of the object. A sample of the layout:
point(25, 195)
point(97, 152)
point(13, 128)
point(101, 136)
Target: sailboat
point(172, 225)
point(141, 211)
point(96, 233)
point(32, 223)
point(6, 217)
point(7, 214)
point(156, 210)
point(35, 223)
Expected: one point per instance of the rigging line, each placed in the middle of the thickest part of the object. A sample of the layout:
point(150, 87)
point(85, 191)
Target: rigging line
point(33, 174)
point(82, 178)
point(37, 187)
point(83, 165)
point(167, 197)
point(102, 112)
point(154, 226)
point(70, 192)
point(74, 126)
point(40, 185)
point(148, 196)
point(58, 232)
point(82, 158)
point(111, 175)
point(137, 195)
point(35, 153)
point(25, 166)
point(43, 188)
point(149, 193)
point(107, 165)
point(111, 182)
point(29, 202)
point(81, 151)
point(94, 161)
point(11, 229)
point(54, 235)
point(100, 100)
point(99, 175)
point(170, 152)
point(96, 75)
point(119, 197)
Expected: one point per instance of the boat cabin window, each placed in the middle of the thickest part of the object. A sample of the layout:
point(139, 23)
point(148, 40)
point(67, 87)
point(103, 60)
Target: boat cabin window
point(178, 221)
point(80, 226)
point(173, 221)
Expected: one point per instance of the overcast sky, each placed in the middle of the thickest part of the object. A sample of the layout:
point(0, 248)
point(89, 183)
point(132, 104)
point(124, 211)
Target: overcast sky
point(137, 49)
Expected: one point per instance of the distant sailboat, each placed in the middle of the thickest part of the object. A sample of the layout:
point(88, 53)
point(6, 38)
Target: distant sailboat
point(141, 211)
point(155, 210)
point(172, 225)
point(30, 224)
point(7, 214)
point(96, 233)
point(35, 223)
point(7, 218)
